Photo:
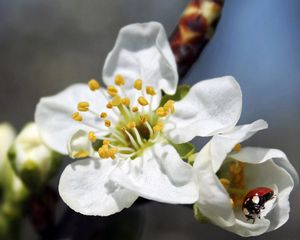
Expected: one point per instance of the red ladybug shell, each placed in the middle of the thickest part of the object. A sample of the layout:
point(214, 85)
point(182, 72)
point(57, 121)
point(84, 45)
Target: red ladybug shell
point(260, 191)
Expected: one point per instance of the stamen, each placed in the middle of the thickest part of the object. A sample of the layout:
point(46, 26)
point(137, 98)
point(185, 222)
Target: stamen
point(119, 80)
point(131, 125)
point(81, 154)
point(103, 115)
point(143, 118)
point(160, 112)
point(126, 101)
point(169, 106)
point(109, 105)
point(116, 101)
point(143, 101)
point(103, 151)
point(150, 91)
point(112, 152)
point(237, 147)
point(93, 84)
point(77, 117)
point(138, 84)
point(133, 142)
point(149, 128)
point(237, 171)
point(138, 137)
point(92, 136)
point(158, 127)
point(225, 182)
point(134, 109)
point(106, 142)
point(112, 91)
point(83, 106)
point(107, 123)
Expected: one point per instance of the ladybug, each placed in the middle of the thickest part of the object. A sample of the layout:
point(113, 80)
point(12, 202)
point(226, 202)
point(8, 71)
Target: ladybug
point(255, 201)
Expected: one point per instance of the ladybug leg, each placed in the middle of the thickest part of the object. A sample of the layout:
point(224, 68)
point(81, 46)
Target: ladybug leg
point(249, 217)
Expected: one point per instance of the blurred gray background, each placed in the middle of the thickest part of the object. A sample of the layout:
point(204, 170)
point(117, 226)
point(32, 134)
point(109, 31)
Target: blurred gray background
point(47, 45)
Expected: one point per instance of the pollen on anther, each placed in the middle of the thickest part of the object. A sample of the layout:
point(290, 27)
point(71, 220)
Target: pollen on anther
point(116, 101)
point(77, 117)
point(126, 101)
point(106, 142)
point(134, 109)
point(158, 127)
point(131, 125)
point(150, 91)
point(169, 106)
point(119, 80)
point(143, 118)
point(83, 106)
point(92, 136)
point(160, 112)
point(237, 147)
point(138, 84)
point(107, 123)
point(142, 101)
point(112, 91)
point(81, 154)
point(103, 115)
point(109, 105)
point(93, 84)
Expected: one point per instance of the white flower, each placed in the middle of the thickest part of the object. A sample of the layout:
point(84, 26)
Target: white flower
point(131, 133)
point(32, 160)
point(7, 136)
point(227, 172)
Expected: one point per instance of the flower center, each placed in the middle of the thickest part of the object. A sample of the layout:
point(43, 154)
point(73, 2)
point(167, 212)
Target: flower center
point(231, 175)
point(137, 126)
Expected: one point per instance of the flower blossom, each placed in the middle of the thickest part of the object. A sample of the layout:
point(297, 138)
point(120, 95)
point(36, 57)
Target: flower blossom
point(227, 172)
point(123, 137)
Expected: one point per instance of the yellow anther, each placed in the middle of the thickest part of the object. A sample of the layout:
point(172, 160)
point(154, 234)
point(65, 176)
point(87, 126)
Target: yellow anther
point(103, 151)
point(81, 154)
point(119, 80)
point(150, 91)
point(112, 152)
point(93, 84)
point(92, 136)
point(103, 115)
point(143, 118)
point(126, 101)
point(161, 112)
point(107, 123)
point(169, 106)
point(116, 101)
point(106, 142)
point(158, 127)
point(134, 109)
point(236, 170)
point(237, 147)
point(225, 182)
point(131, 125)
point(112, 91)
point(109, 105)
point(83, 106)
point(77, 117)
point(143, 101)
point(138, 84)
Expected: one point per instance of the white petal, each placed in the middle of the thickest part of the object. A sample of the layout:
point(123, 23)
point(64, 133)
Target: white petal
point(210, 107)
point(84, 186)
point(222, 144)
point(214, 201)
point(54, 115)
point(159, 174)
point(142, 51)
point(80, 142)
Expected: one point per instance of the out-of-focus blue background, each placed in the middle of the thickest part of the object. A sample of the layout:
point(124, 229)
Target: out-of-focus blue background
point(47, 45)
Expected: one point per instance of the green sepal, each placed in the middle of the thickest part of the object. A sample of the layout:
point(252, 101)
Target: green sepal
point(31, 175)
point(184, 150)
point(192, 158)
point(181, 92)
point(198, 214)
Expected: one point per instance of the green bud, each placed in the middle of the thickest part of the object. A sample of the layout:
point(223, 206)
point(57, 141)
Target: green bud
point(198, 214)
point(32, 160)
